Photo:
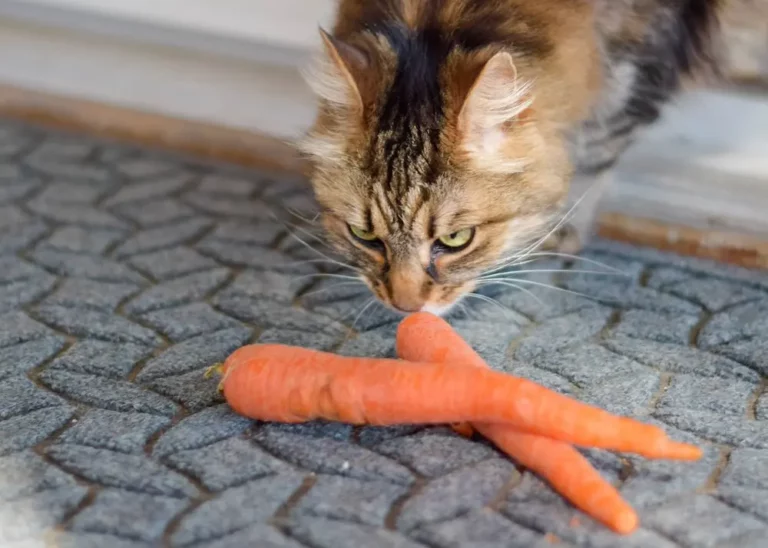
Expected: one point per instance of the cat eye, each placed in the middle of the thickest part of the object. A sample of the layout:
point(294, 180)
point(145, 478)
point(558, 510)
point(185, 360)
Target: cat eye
point(457, 240)
point(363, 235)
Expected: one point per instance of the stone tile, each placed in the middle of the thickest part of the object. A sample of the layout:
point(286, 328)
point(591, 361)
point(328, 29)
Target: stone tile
point(17, 191)
point(67, 192)
point(327, 533)
point(195, 354)
point(361, 314)
point(629, 395)
point(187, 321)
point(318, 341)
point(27, 517)
point(746, 468)
point(62, 148)
point(75, 214)
point(490, 341)
point(700, 521)
point(714, 294)
point(16, 327)
point(142, 167)
point(230, 186)
point(155, 211)
point(660, 277)
point(20, 236)
point(480, 529)
point(548, 379)
point(329, 456)
point(170, 263)
point(761, 408)
point(77, 293)
point(261, 535)
point(106, 359)
point(159, 187)
point(379, 343)
point(85, 266)
point(192, 390)
point(20, 358)
point(19, 395)
point(227, 463)
point(674, 358)
point(94, 540)
point(664, 328)
point(726, 429)
point(11, 216)
point(18, 294)
point(135, 473)
point(235, 509)
point(13, 269)
point(434, 455)
point(76, 239)
point(752, 353)
point(24, 474)
point(746, 320)
point(106, 393)
point(121, 432)
point(25, 431)
point(468, 489)
point(588, 363)
point(348, 499)
point(178, 291)
point(750, 501)
point(714, 395)
point(257, 233)
point(227, 206)
point(269, 314)
point(561, 332)
point(200, 430)
point(274, 286)
point(162, 237)
point(129, 515)
point(96, 324)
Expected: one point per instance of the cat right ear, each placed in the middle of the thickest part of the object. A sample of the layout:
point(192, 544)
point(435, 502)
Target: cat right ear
point(336, 71)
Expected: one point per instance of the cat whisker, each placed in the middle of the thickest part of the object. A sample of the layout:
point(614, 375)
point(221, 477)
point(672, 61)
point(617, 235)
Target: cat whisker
point(334, 286)
point(301, 217)
point(494, 302)
point(365, 307)
point(312, 261)
point(520, 288)
point(328, 275)
point(531, 282)
point(323, 255)
point(578, 258)
point(552, 271)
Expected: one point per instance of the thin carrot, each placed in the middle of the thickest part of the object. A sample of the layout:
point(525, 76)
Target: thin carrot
point(566, 470)
point(423, 337)
point(290, 384)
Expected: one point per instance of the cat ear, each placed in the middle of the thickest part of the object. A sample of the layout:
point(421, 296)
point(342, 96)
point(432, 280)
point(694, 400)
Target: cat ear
point(496, 98)
point(334, 75)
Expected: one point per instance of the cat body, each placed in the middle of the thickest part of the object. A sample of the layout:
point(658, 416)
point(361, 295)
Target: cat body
point(449, 133)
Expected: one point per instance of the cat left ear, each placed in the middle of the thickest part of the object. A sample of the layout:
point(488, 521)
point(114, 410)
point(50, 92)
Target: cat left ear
point(496, 98)
point(334, 76)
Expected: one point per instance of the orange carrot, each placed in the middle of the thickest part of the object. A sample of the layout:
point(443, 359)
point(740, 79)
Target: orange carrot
point(566, 470)
point(289, 384)
point(423, 337)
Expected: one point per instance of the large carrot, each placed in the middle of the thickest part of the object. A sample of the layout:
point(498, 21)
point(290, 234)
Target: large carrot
point(566, 470)
point(290, 384)
point(423, 337)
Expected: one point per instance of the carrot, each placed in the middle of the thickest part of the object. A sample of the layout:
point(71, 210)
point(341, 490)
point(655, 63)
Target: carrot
point(566, 470)
point(423, 337)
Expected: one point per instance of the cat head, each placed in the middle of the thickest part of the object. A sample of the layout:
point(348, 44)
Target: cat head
point(430, 163)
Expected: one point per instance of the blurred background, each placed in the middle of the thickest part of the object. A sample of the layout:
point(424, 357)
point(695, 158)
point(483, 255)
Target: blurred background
point(233, 66)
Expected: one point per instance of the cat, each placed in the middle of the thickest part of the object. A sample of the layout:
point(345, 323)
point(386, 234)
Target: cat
point(450, 134)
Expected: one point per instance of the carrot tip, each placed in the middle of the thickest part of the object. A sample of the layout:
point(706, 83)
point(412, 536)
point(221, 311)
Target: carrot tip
point(626, 523)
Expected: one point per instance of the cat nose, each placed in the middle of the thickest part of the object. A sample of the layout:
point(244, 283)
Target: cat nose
point(405, 291)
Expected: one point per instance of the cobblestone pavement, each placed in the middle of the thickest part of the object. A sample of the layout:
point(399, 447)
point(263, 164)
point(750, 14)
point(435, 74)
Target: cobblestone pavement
point(124, 274)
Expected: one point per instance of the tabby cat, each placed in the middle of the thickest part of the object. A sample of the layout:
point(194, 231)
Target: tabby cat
point(451, 133)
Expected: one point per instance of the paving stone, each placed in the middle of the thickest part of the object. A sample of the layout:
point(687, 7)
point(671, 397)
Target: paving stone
point(23, 518)
point(721, 396)
point(363, 314)
point(76, 239)
point(457, 493)
point(16, 327)
point(227, 463)
point(263, 536)
point(257, 258)
point(17, 191)
point(746, 468)
point(25, 431)
point(329, 456)
point(19, 395)
point(107, 394)
point(62, 148)
point(490, 341)
point(97, 325)
point(432, 455)
point(18, 294)
point(550, 380)
point(749, 500)
point(192, 390)
point(588, 363)
point(135, 473)
point(714, 294)
point(721, 429)
point(75, 214)
point(155, 188)
point(714, 521)
point(67, 192)
point(761, 407)
point(665, 328)
point(227, 206)
point(263, 285)
point(106, 359)
point(479, 529)
point(257, 233)
point(562, 332)
point(235, 509)
point(222, 184)
point(122, 432)
point(349, 499)
point(326, 533)
point(20, 358)
point(752, 353)
point(629, 395)
point(177, 291)
point(20, 236)
point(662, 276)
point(162, 237)
point(142, 167)
point(24, 474)
point(14, 269)
point(155, 212)
point(196, 353)
point(674, 358)
point(187, 321)
point(747, 320)
point(200, 430)
point(93, 540)
point(379, 343)
point(170, 263)
point(318, 341)
point(11, 215)
point(10, 171)
point(84, 266)
point(269, 314)
point(75, 293)
point(126, 514)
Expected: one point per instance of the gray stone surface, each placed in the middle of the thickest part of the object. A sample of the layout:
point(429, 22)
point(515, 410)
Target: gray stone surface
point(125, 274)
